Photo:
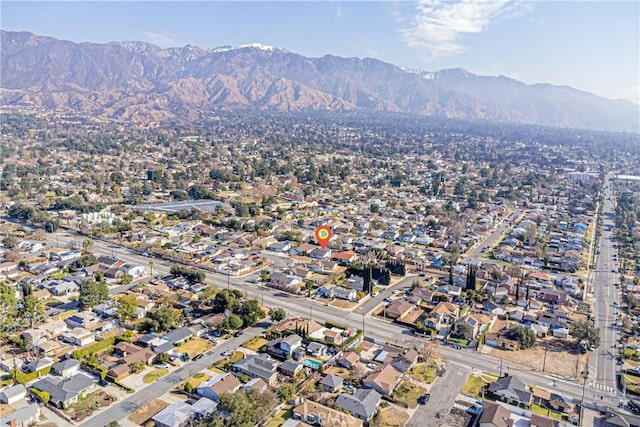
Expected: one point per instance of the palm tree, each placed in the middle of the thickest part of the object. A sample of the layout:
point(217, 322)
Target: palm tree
point(151, 264)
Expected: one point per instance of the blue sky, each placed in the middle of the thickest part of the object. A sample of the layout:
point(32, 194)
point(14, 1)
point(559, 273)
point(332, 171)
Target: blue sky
point(589, 45)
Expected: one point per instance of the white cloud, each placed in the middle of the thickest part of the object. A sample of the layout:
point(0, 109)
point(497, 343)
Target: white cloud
point(160, 39)
point(438, 25)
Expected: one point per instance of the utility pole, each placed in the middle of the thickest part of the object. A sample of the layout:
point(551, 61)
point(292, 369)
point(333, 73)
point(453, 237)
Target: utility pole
point(544, 360)
point(584, 382)
point(500, 374)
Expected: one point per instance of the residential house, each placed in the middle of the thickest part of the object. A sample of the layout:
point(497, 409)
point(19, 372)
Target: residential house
point(348, 360)
point(84, 319)
point(319, 253)
point(614, 419)
point(66, 368)
point(60, 287)
point(319, 415)
point(290, 367)
point(65, 391)
point(79, 337)
point(316, 349)
point(421, 295)
point(495, 415)
point(285, 346)
point(345, 293)
point(13, 394)
point(178, 336)
point(554, 401)
point(180, 413)
point(511, 390)
point(442, 314)
point(331, 383)
point(475, 322)
point(37, 365)
point(345, 258)
point(333, 336)
point(403, 362)
point(256, 384)
point(289, 281)
point(383, 380)
point(398, 309)
point(24, 416)
point(362, 404)
point(501, 340)
point(258, 366)
point(214, 387)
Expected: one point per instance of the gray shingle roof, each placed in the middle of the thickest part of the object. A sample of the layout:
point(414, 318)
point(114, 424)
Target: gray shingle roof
point(362, 403)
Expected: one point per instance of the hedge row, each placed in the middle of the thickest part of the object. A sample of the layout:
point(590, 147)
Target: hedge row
point(330, 324)
point(23, 378)
point(93, 348)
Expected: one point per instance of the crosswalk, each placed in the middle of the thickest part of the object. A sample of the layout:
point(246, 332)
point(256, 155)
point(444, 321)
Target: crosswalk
point(603, 387)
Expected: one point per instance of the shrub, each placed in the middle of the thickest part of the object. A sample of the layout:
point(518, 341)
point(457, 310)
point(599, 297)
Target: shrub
point(42, 395)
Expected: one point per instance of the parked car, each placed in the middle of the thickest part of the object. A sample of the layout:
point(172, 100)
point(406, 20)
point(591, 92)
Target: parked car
point(424, 398)
point(198, 356)
point(226, 353)
point(388, 299)
point(372, 365)
point(375, 294)
point(237, 333)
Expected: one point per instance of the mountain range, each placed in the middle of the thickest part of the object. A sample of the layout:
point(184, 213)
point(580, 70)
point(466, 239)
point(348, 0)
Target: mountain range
point(140, 83)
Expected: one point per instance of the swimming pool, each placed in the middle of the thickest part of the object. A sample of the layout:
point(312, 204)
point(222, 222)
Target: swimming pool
point(311, 363)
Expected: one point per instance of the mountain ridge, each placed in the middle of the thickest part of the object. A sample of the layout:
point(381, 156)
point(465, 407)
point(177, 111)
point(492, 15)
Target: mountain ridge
point(140, 82)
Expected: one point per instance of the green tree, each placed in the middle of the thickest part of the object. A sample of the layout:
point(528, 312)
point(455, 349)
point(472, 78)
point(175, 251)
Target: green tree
point(10, 242)
point(125, 279)
point(277, 314)
point(241, 409)
point(31, 310)
point(286, 391)
point(226, 300)
point(8, 310)
point(233, 322)
point(585, 331)
point(264, 275)
point(163, 319)
point(126, 306)
point(92, 293)
point(250, 312)
point(161, 358)
point(464, 331)
point(526, 336)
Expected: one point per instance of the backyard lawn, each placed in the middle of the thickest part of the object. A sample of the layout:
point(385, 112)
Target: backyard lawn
point(154, 375)
point(195, 346)
point(475, 383)
point(408, 394)
point(281, 417)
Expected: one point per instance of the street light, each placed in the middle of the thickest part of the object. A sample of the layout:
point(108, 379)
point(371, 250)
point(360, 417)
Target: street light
point(585, 374)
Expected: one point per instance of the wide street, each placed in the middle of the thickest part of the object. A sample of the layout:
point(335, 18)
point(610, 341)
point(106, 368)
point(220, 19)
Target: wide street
point(602, 367)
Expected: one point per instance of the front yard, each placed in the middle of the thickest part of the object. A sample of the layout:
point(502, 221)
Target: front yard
point(230, 360)
point(196, 380)
point(426, 374)
point(85, 407)
point(408, 393)
point(154, 375)
point(475, 383)
point(390, 417)
point(255, 343)
point(194, 346)
point(146, 412)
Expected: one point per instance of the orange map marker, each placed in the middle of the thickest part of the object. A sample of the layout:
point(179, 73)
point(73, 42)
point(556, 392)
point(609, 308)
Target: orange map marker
point(323, 234)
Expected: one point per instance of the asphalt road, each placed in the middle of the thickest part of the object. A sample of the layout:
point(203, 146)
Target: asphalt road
point(492, 238)
point(602, 367)
point(443, 395)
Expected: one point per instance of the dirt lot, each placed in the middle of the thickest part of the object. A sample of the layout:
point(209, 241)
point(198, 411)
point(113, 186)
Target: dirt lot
point(499, 324)
point(391, 417)
point(340, 303)
point(561, 358)
point(195, 346)
point(143, 414)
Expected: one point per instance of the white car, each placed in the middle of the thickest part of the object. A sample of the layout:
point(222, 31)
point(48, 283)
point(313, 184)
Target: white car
point(375, 294)
point(371, 365)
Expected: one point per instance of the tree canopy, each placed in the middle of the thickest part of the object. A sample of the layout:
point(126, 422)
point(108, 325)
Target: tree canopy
point(92, 293)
